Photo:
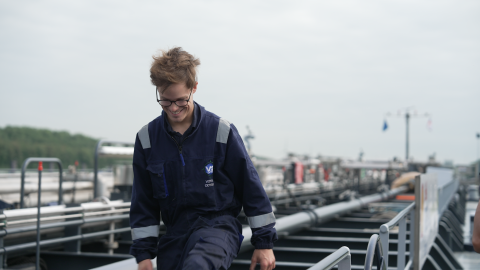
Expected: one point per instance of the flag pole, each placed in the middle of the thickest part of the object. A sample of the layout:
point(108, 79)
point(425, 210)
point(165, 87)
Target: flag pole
point(408, 115)
point(407, 119)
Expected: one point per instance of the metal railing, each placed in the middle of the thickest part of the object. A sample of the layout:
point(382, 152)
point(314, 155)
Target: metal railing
point(39, 193)
point(82, 215)
point(2, 227)
point(341, 257)
point(401, 220)
point(61, 240)
point(40, 159)
point(446, 194)
point(374, 249)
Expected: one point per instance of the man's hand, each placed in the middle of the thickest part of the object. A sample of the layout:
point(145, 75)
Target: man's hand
point(264, 257)
point(145, 265)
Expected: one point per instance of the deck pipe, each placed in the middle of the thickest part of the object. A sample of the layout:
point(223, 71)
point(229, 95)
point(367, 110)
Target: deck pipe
point(5, 232)
point(299, 221)
point(47, 210)
point(61, 240)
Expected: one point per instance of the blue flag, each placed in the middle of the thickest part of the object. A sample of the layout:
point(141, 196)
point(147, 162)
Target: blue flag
point(385, 125)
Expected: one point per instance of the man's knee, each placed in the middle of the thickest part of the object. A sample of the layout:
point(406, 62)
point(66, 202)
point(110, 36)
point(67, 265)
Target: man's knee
point(207, 255)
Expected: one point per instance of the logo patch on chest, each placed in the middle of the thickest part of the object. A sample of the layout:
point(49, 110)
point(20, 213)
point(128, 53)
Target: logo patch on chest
point(209, 168)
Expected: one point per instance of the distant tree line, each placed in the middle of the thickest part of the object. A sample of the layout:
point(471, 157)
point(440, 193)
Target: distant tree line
point(20, 143)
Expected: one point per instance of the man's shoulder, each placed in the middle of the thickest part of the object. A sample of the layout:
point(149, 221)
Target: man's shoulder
point(212, 116)
point(154, 124)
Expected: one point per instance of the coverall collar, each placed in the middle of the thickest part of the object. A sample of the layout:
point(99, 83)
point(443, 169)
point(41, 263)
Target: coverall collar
point(197, 115)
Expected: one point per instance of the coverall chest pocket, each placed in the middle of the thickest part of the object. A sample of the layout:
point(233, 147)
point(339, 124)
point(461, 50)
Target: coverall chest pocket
point(203, 185)
point(159, 181)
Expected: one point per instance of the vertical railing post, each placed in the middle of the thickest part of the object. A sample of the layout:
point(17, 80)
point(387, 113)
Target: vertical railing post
point(412, 235)
point(111, 238)
point(346, 263)
point(74, 230)
point(95, 169)
point(39, 204)
point(73, 246)
point(22, 184)
point(402, 229)
point(60, 189)
point(384, 238)
point(2, 255)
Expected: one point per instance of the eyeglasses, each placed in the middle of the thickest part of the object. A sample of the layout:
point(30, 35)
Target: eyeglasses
point(167, 103)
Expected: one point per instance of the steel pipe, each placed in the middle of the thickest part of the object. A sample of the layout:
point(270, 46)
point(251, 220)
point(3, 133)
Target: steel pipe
point(69, 216)
point(77, 215)
point(297, 222)
point(46, 210)
point(61, 224)
point(6, 232)
point(16, 222)
point(61, 240)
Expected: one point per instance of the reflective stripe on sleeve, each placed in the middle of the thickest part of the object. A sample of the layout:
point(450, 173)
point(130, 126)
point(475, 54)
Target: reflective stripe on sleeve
point(223, 130)
point(144, 138)
point(150, 231)
point(262, 220)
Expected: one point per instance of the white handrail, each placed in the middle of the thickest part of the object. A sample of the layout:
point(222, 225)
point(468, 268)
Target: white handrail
point(341, 257)
point(401, 220)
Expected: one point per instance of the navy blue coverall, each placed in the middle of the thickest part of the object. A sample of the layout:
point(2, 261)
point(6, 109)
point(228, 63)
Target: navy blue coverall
point(199, 186)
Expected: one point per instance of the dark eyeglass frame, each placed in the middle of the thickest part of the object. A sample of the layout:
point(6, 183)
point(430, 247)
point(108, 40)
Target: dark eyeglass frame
point(158, 100)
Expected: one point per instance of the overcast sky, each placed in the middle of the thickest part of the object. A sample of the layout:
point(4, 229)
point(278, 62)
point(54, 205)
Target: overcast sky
point(310, 77)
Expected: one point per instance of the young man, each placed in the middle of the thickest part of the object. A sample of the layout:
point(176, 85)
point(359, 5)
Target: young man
point(192, 167)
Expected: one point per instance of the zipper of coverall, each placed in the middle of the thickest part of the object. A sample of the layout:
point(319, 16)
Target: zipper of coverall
point(179, 147)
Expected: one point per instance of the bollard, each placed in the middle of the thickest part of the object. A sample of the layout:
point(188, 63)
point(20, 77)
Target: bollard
point(40, 169)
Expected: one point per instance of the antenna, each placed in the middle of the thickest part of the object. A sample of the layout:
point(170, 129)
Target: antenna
point(247, 139)
point(407, 112)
